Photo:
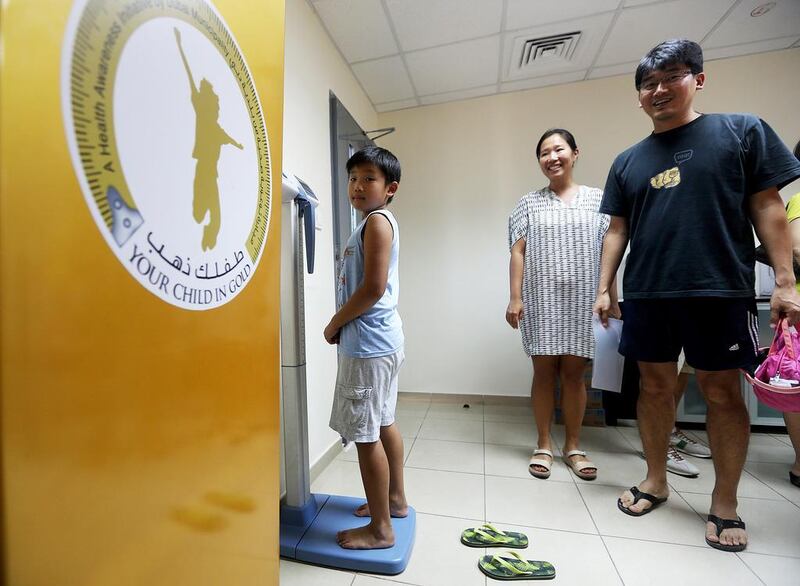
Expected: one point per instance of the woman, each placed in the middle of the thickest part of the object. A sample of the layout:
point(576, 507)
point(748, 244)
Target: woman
point(555, 236)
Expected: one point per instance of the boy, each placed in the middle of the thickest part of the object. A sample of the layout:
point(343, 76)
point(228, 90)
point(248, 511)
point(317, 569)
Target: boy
point(689, 196)
point(369, 333)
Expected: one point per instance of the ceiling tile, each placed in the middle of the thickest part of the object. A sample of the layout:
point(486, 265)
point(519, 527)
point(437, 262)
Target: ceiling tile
point(399, 105)
point(426, 23)
point(460, 95)
point(783, 20)
point(384, 80)
point(748, 48)
point(455, 67)
point(610, 70)
point(639, 29)
point(358, 27)
point(546, 80)
point(527, 13)
point(593, 30)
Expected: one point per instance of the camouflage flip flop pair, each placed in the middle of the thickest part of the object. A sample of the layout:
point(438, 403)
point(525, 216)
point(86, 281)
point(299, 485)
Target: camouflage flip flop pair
point(508, 565)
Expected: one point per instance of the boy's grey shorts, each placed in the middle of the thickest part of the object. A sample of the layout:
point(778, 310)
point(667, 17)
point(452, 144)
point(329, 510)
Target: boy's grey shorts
point(366, 396)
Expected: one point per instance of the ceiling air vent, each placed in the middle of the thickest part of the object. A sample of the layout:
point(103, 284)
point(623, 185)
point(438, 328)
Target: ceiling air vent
point(534, 53)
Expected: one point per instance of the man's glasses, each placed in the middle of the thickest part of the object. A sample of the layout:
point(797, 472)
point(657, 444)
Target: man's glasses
point(668, 80)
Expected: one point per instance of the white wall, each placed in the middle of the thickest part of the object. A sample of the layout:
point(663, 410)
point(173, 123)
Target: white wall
point(466, 164)
point(313, 69)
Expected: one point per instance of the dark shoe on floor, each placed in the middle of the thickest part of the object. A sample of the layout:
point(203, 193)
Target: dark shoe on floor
point(723, 524)
point(637, 496)
point(794, 478)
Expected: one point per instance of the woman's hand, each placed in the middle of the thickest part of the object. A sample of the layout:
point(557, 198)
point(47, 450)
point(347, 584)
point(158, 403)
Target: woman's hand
point(615, 311)
point(514, 313)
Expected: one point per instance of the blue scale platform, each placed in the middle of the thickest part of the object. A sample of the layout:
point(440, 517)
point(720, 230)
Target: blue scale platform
point(309, 535)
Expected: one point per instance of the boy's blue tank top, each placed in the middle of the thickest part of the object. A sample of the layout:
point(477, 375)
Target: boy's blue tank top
point(379, 330)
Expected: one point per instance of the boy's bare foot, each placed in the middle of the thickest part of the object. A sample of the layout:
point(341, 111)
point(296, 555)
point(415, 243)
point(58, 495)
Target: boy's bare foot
point(399, 510)
point(365, 538)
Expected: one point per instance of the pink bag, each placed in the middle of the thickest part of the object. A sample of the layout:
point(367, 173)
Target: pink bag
point(777, 380)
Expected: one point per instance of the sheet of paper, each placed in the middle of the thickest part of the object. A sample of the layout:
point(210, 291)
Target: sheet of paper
point(608, 363)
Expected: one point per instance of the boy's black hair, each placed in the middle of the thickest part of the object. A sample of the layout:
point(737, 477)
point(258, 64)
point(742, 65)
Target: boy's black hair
point(668, 53)
point(797, 150)
point(381, 158)
point(565, 134)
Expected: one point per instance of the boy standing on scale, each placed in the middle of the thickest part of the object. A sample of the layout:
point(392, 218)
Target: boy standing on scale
point(369, 333)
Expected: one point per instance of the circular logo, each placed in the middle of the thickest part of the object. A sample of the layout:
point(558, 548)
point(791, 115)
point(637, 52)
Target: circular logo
point(169, 144)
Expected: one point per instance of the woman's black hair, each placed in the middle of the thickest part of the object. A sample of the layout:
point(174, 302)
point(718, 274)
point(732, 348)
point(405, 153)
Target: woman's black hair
point(565, 134)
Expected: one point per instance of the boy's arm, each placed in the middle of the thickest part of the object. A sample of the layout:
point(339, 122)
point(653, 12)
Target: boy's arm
point(378, 235)
point(614, 243)
point(769, 220)
point(515, 270)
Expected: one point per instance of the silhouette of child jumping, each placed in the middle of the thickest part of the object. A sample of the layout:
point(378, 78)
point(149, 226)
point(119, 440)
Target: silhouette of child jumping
point(209, 138)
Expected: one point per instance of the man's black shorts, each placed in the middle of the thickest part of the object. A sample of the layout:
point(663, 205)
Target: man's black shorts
point(716, 333)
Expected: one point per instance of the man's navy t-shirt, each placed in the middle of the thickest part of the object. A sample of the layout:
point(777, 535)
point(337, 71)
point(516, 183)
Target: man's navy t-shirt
point(685, 193)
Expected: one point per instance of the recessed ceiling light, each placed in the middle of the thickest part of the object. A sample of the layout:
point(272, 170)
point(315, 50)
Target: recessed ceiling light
point(762, 9)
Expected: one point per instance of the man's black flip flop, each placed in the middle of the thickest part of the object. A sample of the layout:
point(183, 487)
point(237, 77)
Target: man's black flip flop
point(794, 478)
point(637, 496)
point(721, 525)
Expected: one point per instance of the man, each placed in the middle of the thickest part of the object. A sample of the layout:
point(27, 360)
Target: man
point(688, 197)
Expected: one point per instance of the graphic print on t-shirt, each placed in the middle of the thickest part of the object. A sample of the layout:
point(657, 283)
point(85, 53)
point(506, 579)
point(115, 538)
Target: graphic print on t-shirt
point(666, 179)
point(683, 156)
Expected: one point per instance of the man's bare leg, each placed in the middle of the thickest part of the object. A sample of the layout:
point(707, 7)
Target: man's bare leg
point(392, 442)
point(656, 413)
point(728, 426)
point(378, 533)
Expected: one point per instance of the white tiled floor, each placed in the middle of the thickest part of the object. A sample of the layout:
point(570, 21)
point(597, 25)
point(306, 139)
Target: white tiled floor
point(469, 466)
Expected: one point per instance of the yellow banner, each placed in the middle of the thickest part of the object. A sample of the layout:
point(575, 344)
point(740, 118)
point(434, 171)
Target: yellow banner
point(140, 142)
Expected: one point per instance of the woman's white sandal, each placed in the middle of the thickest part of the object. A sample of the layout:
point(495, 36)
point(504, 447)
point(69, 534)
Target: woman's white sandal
point(546, 464)
point(580, 465)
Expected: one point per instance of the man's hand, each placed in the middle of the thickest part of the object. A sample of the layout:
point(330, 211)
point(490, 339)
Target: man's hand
point(332, 334)
point(514, 313)
point(785, 302)
point(602, 307)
